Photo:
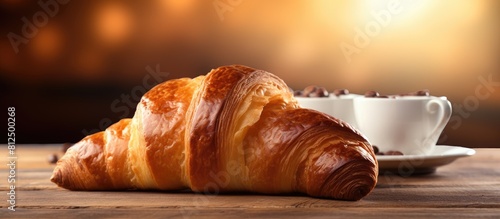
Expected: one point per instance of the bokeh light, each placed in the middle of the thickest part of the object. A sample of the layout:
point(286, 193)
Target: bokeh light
point(113, 23)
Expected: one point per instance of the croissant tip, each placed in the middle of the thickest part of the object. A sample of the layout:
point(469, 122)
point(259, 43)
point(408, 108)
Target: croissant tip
point(59, 179)
point(351, 182)
point(56, 176)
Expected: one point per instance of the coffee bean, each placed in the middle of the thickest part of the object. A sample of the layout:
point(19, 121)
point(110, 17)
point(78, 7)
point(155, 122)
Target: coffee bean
point(393, 153)
point(417, 93)
point(319, 92)
point(339, 92)
point(298, 93)
point(380, 153)
point(375, 149)
point(384, 96)
point(372, 94)
point(309, 89)
point(423, 93)
point(53, 158)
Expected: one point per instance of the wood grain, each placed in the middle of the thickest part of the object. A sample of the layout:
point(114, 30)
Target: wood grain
point(469, 187)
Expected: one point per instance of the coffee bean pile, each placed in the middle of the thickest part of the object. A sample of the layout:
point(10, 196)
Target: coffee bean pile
point(312, 91)
point(377, 152)
point(421, 93)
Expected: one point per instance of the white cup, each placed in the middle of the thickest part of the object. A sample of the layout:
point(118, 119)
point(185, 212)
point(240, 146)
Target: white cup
point(322, 104)
point(410, 124)
point(343, 108)
point(340, 107)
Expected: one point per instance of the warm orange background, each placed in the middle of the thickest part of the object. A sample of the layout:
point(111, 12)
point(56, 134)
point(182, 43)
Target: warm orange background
point(65, 77)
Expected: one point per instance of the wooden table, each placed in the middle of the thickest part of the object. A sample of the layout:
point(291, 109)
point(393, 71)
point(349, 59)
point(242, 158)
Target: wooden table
point(469, 187)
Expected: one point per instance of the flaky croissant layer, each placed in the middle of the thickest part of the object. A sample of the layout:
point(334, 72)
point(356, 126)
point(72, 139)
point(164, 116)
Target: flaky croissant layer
point(235, 129)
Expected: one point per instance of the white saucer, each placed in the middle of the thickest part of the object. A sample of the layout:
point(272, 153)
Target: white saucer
point(406, 165)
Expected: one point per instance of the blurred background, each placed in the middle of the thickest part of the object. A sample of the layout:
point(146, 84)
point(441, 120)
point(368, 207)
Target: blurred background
point(74, 67)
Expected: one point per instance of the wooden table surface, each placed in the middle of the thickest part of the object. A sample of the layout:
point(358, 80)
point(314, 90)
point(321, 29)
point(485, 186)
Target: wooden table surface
point(468, 187)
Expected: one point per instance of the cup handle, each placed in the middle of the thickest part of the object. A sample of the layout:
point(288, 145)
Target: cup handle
point(442, 107)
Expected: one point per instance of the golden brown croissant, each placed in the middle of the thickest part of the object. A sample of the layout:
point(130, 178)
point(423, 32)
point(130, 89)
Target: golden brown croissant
point(235, 129)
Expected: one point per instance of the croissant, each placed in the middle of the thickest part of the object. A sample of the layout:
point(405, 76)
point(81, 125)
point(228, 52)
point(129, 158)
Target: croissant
point(235, 129)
